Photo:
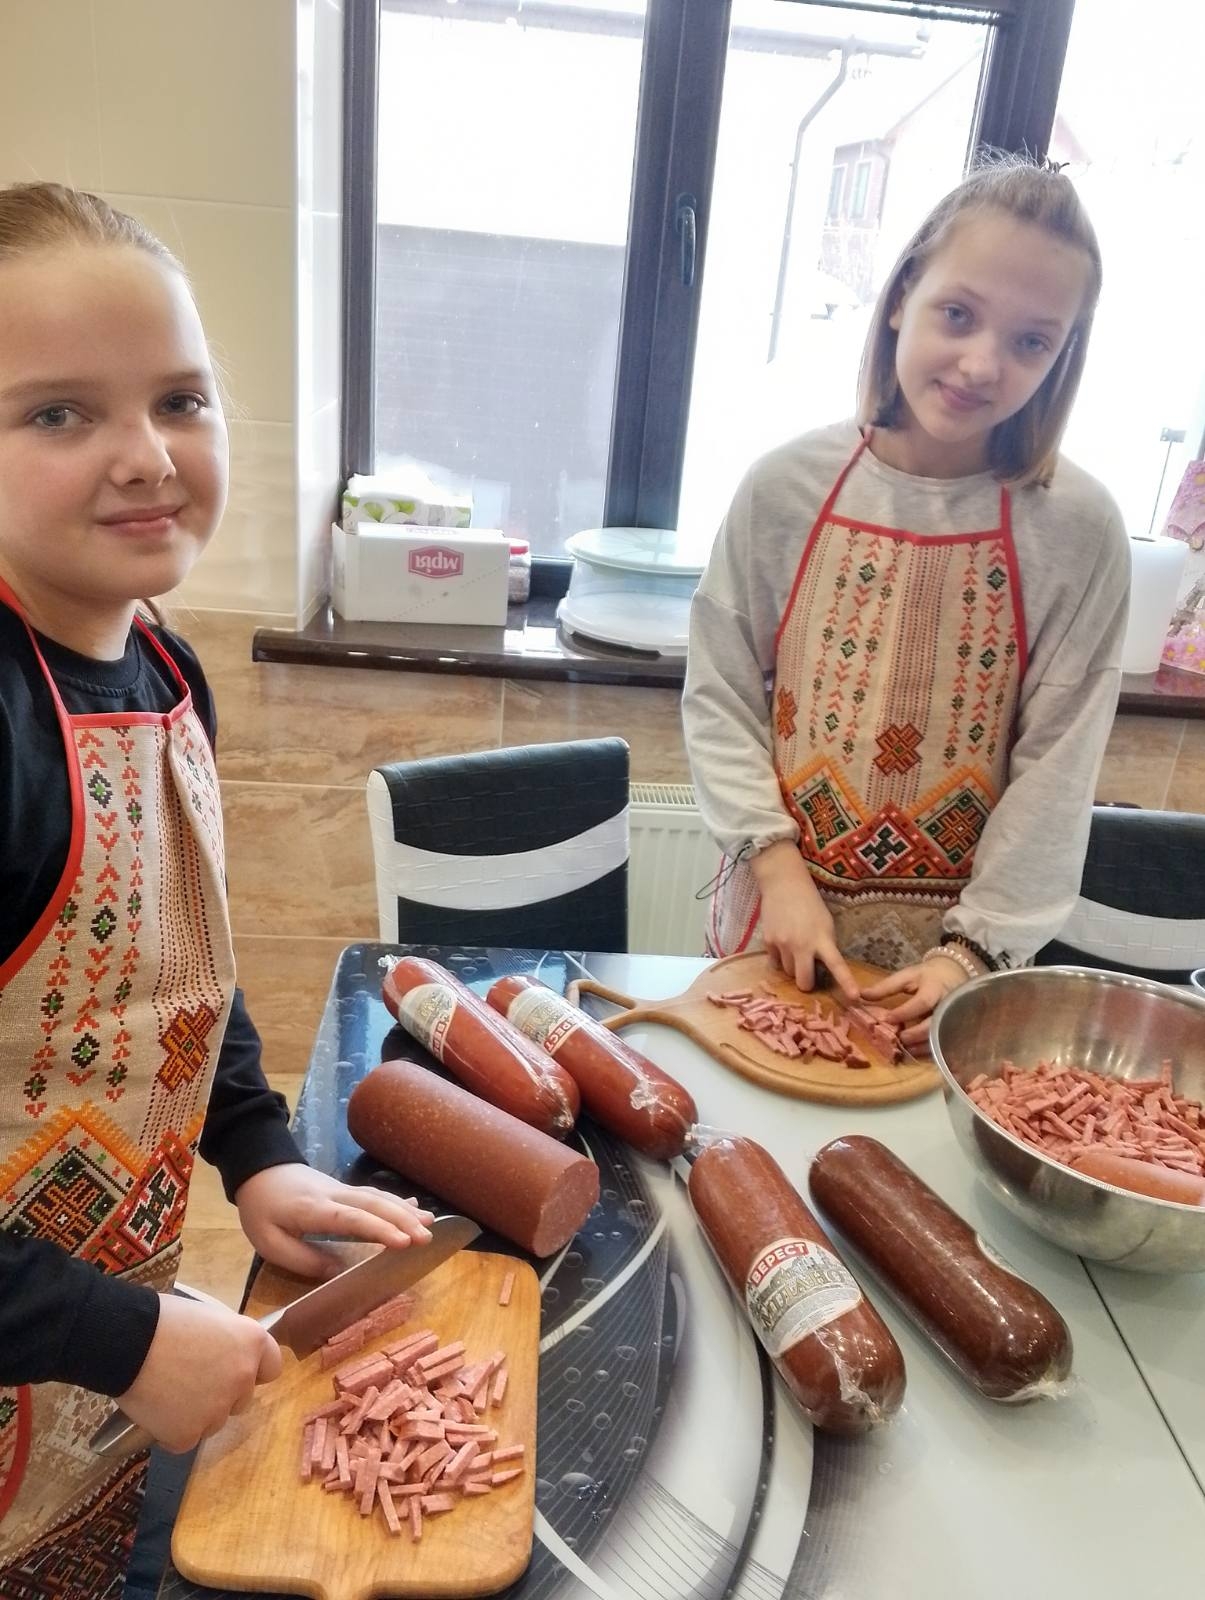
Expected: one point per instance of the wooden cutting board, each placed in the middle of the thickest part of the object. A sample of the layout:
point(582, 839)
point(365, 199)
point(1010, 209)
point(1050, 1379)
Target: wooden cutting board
point(715, 1029)
point(248, 1522)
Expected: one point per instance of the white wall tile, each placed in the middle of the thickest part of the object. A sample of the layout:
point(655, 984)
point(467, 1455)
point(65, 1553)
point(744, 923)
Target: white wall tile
point(328, 106)
point(305, 46)
point(319, 445)
point(49, 118)
point(197, 100)
point(326, 327)
point(252, 561)
point(241, 260)
point(307, 301)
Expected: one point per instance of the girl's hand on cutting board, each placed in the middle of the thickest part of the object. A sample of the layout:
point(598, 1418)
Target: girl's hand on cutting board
point(279, 1204)
point(926, 985)
point(797, 928)
point(203, 1365)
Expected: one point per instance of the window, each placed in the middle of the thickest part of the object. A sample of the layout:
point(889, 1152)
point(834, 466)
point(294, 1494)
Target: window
point(788, 296)
point(857, 204)
point(578, 231)
point(1142, 177)
point(503, 189)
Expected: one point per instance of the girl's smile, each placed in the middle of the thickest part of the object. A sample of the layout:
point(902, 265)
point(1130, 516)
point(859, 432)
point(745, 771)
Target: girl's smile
point(142, 522)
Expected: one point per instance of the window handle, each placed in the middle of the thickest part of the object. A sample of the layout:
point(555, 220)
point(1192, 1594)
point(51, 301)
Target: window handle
point(684, 227)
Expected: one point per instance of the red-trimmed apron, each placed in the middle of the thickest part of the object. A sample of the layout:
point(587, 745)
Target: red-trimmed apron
point(898, 666)
point(112, 1011)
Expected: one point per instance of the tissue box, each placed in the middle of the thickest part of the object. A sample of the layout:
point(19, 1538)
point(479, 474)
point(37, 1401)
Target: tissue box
point(384, 572)
point(382, 500)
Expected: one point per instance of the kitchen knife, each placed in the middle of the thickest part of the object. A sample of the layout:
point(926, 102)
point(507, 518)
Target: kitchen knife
point(306, 1323)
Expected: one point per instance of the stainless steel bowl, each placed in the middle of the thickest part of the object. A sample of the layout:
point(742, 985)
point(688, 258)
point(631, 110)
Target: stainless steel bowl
point(1106, 1022)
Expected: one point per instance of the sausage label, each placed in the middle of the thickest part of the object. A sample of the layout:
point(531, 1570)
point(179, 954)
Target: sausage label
point(795, 1287)
point(544, 1017)
point(426, 1012)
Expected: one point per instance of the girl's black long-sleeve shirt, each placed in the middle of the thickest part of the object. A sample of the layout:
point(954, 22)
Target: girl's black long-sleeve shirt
point(61, 1318)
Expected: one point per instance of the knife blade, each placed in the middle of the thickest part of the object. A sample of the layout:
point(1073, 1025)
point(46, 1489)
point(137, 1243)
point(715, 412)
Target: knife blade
point(307, 1322)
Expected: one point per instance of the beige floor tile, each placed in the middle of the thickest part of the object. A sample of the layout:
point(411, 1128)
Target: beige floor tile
point(649, 719)
point(331, 725)
point(299, 861)
point(208, 1206)
point(1139, 758)
point(216, 1260)
point(1186, 791)
point(286, 982)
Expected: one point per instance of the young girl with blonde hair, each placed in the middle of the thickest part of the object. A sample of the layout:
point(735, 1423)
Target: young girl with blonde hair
point(124, 1044)
point(904, 654)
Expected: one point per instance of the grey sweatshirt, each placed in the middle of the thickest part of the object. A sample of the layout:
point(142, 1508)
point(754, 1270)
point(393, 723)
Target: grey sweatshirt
point(1074, 563)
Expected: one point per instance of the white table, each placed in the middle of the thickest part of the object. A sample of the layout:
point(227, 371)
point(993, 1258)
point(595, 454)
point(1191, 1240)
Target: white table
point(1101, 1493)
point(729, 1494)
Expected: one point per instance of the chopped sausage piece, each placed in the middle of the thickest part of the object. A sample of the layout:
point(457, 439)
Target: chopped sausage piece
point(508, 1285)
point(794, 1029)
point(1139, 1130)
point(386, 1499)
point(409, 1439)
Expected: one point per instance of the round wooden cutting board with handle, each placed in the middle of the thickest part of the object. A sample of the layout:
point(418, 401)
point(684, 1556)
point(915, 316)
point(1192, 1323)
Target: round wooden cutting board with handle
point(716, 1029)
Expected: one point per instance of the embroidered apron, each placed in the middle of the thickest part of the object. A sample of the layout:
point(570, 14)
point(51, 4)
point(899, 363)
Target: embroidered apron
point(112, 1011)
point(898, 666)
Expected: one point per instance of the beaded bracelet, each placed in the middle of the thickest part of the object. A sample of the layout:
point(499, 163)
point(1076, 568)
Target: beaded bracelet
point(960, 958)
point(977, 950)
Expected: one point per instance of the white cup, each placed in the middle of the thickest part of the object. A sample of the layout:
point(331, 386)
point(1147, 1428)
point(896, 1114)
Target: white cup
point(1197, 979)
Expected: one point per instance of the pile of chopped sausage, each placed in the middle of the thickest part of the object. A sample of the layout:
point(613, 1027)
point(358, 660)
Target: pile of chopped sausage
point(810, 1029)
point(406, 1432)
point(1064, 1111)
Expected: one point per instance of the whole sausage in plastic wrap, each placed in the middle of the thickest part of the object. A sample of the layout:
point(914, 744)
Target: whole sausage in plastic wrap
point(996, 1328)
point(621, 1089)
point(497, 1170)
point(832, 1348)
point(479, 1047)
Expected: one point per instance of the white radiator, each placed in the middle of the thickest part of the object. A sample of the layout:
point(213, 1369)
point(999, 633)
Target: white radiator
point(672, 858)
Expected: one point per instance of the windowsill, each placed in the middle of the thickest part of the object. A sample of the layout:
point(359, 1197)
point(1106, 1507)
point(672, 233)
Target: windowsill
point(530, 646)
point(533, 646)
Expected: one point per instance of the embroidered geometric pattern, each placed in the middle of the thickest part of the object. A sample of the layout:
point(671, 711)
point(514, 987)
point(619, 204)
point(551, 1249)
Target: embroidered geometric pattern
point(184, 1043)
point(63, 1182)
point(150, 1217)
point(924, 853)
point(956, 824)
point(898, 747)
point(828, 812)
point(85, 1557)
point(132, 975)
point(903, 653)
point(787, 706)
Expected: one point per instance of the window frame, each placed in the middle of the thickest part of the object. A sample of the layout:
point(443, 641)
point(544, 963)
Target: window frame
point(836, 191)
point(681, 91)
